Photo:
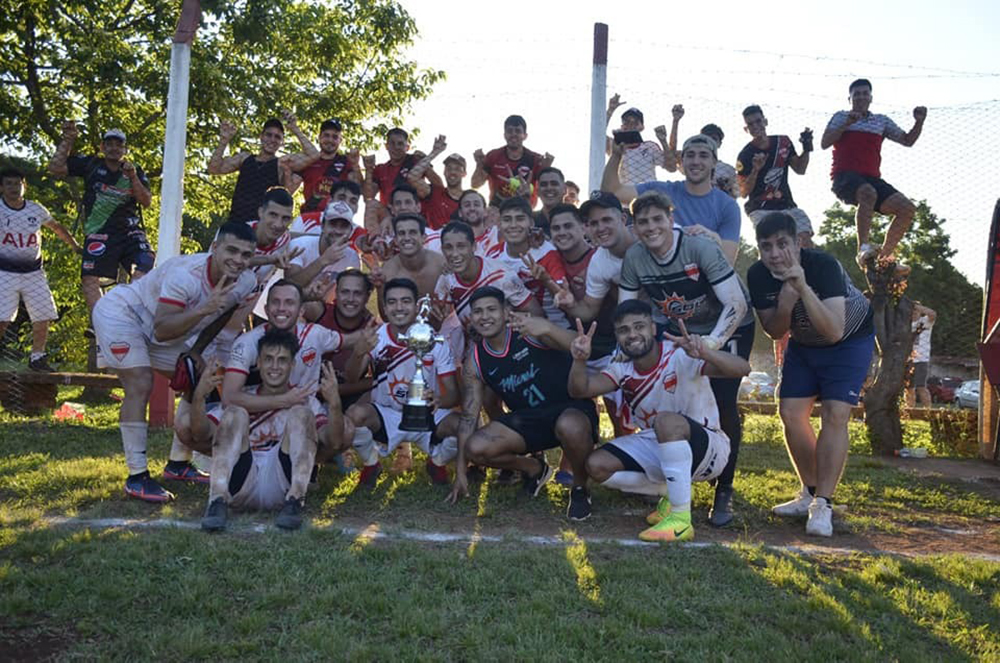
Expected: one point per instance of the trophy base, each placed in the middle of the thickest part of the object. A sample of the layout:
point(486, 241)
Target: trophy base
point(417, 418)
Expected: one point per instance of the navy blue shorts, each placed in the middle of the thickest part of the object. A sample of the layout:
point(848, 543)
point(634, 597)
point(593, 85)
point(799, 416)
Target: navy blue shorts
point(832, 372)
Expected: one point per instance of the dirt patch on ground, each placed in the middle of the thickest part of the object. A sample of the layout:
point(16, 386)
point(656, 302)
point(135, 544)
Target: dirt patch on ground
point(35, 642)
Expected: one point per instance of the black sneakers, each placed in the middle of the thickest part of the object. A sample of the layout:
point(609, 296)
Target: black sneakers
point(579, 504)
point(532, 485)
point(290, 516)
point(722, 509)
point(215, 516)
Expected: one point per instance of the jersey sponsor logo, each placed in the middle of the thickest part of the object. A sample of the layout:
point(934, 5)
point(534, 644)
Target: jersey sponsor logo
point(119, 350)
point(520, 354)
point(96, 248)
point(309, 356)
point(18, 241)
point(399, 390)
point(692, 271)
point(512, 382)
point(88, 264)
point(675, 306)
point(97, 237)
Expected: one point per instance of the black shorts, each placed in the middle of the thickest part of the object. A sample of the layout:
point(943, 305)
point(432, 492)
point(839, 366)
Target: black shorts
point(846, 185)
point(538, 425)
point(105, 250)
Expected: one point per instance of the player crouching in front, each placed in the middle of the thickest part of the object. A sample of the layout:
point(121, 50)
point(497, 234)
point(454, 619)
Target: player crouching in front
point(263, 461)
point(668, 395)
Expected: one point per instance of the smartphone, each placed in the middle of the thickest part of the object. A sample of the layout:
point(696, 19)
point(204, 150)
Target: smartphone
point(627, 137)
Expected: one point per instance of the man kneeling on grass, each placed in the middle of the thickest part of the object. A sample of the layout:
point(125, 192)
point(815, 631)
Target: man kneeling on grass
point(263, 461)
point(525, 363)
point(667, 394)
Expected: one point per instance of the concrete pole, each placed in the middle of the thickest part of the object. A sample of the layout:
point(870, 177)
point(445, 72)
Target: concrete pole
point(598, 104)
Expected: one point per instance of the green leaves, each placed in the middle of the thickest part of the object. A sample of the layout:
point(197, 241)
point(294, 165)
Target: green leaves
point(106, 64)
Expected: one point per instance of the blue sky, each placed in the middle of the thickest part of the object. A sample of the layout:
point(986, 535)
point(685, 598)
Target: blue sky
point(793, 58)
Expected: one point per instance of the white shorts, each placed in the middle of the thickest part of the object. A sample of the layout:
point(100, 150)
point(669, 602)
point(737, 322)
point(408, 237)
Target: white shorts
point(123, 341)
point(266, 483)
point(33, 288)
point(802, 222)
point(391, 418)
point(642, 448)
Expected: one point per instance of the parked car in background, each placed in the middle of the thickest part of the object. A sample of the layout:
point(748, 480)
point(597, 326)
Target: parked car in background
point(758, 386)
point(967, 395)
point(943, 389)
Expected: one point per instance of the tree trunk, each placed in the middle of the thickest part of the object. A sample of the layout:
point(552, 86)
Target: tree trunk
point(894, 342)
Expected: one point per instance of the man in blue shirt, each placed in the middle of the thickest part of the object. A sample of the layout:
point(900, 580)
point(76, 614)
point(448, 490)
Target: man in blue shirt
point(699, 208)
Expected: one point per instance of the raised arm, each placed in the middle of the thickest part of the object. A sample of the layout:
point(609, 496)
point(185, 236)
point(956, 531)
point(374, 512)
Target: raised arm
point(309, 152)
point(140, 191)
point(800, 162)
point(416, 175)
point(919, 115)
point(173, 321)
point(219, 163)
point(777, 320)
point(611, 183)
point(479, 175)
point(718, 363)
point(57, 166)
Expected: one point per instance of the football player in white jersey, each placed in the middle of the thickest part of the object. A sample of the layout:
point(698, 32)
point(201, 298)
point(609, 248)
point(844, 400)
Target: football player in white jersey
point(667, 394)
point(329, 254)
point(262, 461)
point(145, 325)
point(377, 424)
point(21, 273)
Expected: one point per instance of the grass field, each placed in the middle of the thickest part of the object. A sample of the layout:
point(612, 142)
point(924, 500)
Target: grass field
point(337, 591)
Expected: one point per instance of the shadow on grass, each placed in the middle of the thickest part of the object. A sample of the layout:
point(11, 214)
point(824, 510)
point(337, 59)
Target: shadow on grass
point(181, 595)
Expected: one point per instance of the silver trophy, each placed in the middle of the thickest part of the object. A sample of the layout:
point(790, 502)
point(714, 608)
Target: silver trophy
point(420, 338)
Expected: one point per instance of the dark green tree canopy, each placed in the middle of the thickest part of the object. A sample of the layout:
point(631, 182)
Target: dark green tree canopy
point(106, 64)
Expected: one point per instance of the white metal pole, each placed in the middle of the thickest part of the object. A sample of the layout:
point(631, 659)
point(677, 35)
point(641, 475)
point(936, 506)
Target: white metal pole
point(598, 101)
point(174, 142)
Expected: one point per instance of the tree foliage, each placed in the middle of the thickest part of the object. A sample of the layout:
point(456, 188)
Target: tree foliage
point(106, 64)
point(934, 280)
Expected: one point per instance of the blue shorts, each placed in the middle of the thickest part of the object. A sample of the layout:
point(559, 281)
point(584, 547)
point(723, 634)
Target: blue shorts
point(832, 372)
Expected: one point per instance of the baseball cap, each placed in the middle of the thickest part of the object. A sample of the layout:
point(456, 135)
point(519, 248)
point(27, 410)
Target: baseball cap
point(602, 199)
point(338, 209)
point(115, 133)
point(635, 112)
point(702, 139)
point(456, 157)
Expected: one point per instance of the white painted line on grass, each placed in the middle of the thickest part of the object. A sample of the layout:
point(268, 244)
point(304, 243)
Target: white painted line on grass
point(373, 533)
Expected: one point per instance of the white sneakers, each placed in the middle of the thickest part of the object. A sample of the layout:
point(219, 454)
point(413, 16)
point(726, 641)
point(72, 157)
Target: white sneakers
point(820, 521)
point(796, 507)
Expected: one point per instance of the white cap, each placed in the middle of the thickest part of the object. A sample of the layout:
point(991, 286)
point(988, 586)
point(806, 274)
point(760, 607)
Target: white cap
point(115, 133)
point(338, 209)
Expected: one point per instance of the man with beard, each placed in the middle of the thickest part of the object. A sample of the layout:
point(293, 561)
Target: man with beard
point(687, 277)
point(262, 461)
point(377, 429)
point(669, 398)
point(526, 365)
point(146, 325)
point(261, 171)
point(438, 199)
point(324, 257)
point(331, 166)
